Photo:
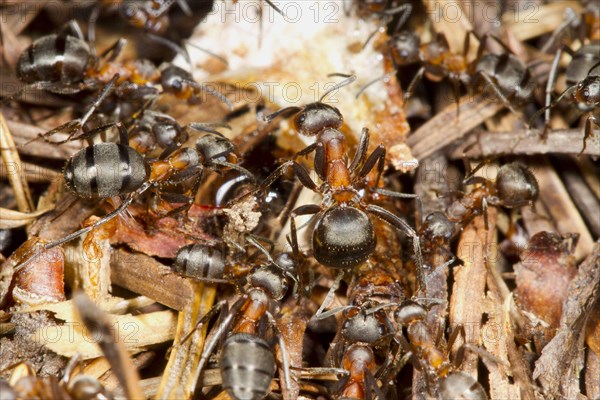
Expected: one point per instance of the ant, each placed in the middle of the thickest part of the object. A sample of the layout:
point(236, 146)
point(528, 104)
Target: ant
point(385, 10)
point(106, 170)
point(505, 74)
point(437, 61)
point(515, 186)
point(427, 354)
point(361, 333)
point(247, 362)
point(583, 86)
point(151, 15)
point(26, 384)
point(343, 236)
point(64, 63)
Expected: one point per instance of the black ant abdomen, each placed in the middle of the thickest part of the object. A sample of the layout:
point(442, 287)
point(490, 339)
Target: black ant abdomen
point(343, 238)
point(54, 58)
point(197, 261)
point(247, 366)
point(106, 170)
point(516, 185)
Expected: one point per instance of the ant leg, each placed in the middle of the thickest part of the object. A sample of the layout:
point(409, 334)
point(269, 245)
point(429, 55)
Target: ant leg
point(549, 86)
point(75, 125)
point(283, 349)
point(484, 208)
point(207, 317)
point(371, 386)
point(377, 156)
point(212, 343)
point(87, 229)
point(72, 26)
point(328, 298)
point(236, 167)
point(411, 87)
point(501, 43)
point(498, 92)
point(399, 195)
point(306, 151)
point(292, 239)
point(401, 225)
point(114, 50)
point(460, 354)
point(92, 27)
point(456, 94)
point(361, 151)
point(207, 127)
point(188, 199)
point(481, 48)
point(587, 131)
point(320, 161)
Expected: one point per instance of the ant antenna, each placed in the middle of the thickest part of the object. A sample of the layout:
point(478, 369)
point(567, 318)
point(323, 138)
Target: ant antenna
point(210, 53)
point(290, 110)
point(374, 81)
point(349, 79)
point(211, 91)
point(172, 46)
point(270, 3)
point(568, 91)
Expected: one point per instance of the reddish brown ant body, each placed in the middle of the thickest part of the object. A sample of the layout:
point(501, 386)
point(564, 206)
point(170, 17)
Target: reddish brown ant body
point(515, 186)
point(65, 63)
point(343, 236)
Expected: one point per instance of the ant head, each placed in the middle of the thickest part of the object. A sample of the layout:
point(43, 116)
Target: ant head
point(362, 327)
point(587, 93)
point(437, 226)
point(316, 117)
point(269, 279)
point(516, 185)
point(200, 261)
point(212, 147)
point(406, 45)
point(409, 312)
point(343, 238)
point(166, 133)
point(85, 385)
point(174, 79)
point(459, 385)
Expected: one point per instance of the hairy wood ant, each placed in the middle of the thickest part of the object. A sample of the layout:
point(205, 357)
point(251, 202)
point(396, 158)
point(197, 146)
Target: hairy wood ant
point(106, 170)
point(583, 86)
point(247, 361)
point(515, 186)
point(429, 356)
point(343, 236)
point(510, 80)
point(64, 63)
